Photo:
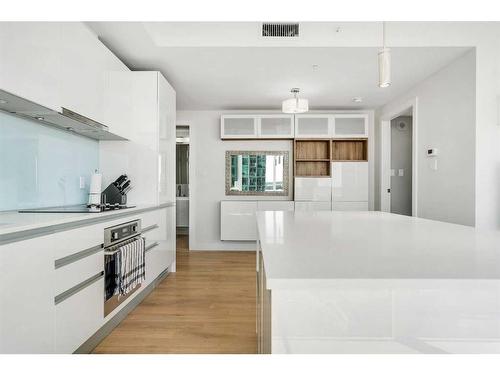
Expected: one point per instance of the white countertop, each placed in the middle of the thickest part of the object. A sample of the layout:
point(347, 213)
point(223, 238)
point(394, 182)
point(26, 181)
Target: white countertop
point(328, 248)
point(12, 221)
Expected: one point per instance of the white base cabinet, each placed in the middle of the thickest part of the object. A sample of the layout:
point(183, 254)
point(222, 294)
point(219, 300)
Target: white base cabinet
point(79, 316)
point(238, 221)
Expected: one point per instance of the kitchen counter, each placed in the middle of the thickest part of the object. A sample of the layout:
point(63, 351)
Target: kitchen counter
point(373, 282)
point(302, 248)
point(15, 226)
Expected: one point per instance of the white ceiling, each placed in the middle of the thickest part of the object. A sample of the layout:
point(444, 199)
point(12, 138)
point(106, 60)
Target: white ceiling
point(210, 76)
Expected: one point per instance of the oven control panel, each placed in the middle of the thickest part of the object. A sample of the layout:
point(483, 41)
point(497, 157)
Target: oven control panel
point(121, 232)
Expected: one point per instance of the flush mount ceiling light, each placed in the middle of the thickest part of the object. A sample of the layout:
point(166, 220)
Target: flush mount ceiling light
point(384, 63)
point(295, 104)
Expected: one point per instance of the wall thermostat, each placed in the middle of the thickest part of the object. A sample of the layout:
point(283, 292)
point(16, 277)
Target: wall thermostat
point(432, 152)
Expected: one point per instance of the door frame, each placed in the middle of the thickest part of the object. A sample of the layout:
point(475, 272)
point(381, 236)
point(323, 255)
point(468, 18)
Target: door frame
point(385, 154)
point(191, 179)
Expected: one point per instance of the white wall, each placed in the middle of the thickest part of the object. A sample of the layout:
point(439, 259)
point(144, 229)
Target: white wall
point(207, 177)
point(445, 119)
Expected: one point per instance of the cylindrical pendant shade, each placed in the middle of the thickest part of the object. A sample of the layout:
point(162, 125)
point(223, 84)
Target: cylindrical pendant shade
point(295, 105)
point(384, 67)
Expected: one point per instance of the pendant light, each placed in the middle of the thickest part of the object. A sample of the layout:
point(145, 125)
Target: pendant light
point(384, 63)
point(295, 104)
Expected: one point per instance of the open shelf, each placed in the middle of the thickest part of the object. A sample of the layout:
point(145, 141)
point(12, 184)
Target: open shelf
point(312, 157)
point(312, 168)
point(350, 150)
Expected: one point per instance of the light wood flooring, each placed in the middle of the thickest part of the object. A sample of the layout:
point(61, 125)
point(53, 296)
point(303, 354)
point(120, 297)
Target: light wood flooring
point(207, 306)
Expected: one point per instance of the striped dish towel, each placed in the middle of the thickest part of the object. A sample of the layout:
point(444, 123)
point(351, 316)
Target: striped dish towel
point(130, 265)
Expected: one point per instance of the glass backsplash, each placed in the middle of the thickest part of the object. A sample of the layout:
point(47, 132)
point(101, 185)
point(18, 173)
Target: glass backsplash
point(41, 166)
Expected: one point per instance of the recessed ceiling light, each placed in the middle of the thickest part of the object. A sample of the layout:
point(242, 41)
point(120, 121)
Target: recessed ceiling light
point(39, 118)
point(357, 99)
point(3, 101)
point(315, 66)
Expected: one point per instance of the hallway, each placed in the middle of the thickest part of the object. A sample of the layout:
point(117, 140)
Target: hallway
point(207, 306)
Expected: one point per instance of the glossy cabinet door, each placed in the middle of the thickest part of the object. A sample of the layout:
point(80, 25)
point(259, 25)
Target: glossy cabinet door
point(276, 126)
point(27, 310)
point(80, 315)
point(313, 206)
point(30, 63)
point(350, 181)
point(83, 71)
point(238, 126)
point(350, 126)
point(313, 189)
point(313, 126)
point(238, 221)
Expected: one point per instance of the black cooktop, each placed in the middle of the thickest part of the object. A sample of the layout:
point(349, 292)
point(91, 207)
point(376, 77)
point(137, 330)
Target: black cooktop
point(79, 208)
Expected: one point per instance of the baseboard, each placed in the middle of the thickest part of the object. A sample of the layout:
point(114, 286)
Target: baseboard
point(110, 325)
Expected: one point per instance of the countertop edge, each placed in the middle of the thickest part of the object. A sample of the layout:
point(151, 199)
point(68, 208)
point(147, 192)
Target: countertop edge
point(42, 230)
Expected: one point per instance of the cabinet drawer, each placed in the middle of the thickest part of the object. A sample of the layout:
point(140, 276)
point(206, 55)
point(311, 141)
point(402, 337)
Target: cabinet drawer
point(149, 219)
point(80, 315)
point(313, 189)
point(156, 259)
point(71, 274)
point(73, 241)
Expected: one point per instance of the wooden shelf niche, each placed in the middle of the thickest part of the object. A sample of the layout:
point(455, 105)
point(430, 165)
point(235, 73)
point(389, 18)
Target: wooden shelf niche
point(350, 150)
point(312, 157)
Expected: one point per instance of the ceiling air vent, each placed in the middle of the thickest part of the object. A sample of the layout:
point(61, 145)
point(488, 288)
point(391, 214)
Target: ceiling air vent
point(283, 30)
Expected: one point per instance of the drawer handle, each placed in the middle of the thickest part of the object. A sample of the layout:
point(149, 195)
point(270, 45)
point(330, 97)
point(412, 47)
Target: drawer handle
point(151, 227)
point(72, 291)
point(149, 247)
point(77, 256)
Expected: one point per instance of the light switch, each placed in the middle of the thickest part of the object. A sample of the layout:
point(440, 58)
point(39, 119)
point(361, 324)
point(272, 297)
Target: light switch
point(393, 172)
point(401, 172)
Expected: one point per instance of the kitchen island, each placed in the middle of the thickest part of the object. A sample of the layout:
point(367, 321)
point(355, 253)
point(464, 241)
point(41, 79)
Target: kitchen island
point(373, 282)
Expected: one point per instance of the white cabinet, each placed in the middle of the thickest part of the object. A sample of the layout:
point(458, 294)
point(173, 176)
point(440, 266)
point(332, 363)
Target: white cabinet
point(313, 189)
point(83, 71)
point(30, 65)
point(238, 220)
point(149, 159)
point(238, 126)
point(313, 206)
point(313, 126)
point(350, 126)
point(350, 185)
point(27, 310)
point(275, 126)
point(80, 314)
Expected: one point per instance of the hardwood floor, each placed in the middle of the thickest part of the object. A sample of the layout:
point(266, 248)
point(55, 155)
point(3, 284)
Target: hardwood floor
point(207, 306)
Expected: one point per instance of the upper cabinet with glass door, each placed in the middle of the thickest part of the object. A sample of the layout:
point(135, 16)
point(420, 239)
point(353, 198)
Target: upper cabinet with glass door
point(256, 126)
point(313, 126)
point(275, 126)
point(350, 125)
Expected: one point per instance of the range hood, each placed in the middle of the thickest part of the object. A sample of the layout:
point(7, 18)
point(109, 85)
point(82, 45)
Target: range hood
point(66, 119)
